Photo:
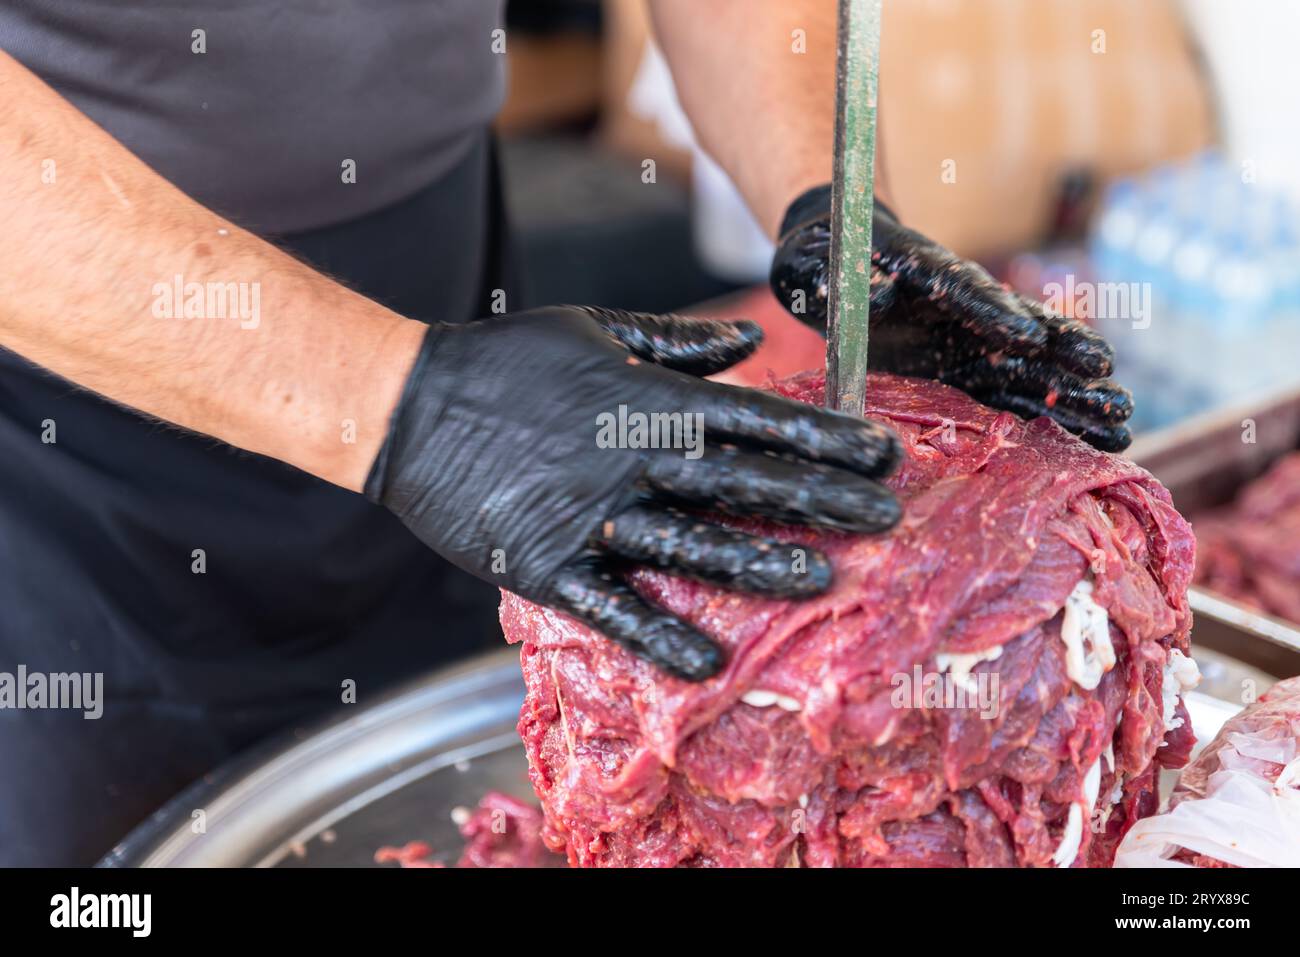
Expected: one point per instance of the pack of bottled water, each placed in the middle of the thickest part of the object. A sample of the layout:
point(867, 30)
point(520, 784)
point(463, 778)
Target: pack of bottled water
point(1196, 270)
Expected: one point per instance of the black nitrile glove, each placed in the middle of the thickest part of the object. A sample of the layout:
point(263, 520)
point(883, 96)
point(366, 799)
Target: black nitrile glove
point(499, 457)
point(938, 316)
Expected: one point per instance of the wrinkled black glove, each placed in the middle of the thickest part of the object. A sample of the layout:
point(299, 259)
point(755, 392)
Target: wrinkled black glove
point(494, 459)
point(938, 316)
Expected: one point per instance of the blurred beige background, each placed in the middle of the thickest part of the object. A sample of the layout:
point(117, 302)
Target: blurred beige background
point(1010, 91)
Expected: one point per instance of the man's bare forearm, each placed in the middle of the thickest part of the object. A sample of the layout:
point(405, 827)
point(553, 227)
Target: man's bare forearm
point(757, 79)
point(761, 108)
point(113, 279)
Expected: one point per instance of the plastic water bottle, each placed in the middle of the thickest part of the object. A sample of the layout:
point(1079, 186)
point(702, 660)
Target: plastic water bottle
point(1221, 261)
point(1117, 228)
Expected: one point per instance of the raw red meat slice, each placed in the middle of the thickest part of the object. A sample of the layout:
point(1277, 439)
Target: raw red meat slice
point(501, 831)
point(1250, 550)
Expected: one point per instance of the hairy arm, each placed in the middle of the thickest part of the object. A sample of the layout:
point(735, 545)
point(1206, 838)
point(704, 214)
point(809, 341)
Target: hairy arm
point(763, 110)
point(91, 244)
point(757, 79)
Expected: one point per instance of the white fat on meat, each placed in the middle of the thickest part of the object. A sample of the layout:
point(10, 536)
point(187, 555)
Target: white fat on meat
point(1101, 815)
point(960, 666)
point(1181, 675)
point(1079, 812)
point(761, 698)
point(1085, 629)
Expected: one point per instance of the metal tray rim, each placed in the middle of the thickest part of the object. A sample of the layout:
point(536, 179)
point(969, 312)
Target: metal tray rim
point(226, 795)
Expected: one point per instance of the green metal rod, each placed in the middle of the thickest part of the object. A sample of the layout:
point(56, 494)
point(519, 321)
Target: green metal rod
point(852, 194)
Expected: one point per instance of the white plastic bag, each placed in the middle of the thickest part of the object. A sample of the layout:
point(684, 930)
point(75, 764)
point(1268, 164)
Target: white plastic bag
point(1239, 801)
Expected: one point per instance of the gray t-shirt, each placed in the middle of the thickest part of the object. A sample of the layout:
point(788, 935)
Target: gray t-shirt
point(261, 126)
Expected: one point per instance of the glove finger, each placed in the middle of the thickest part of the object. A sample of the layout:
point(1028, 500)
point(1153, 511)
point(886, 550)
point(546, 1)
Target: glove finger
point(1107, 437)
point(621, 615)
point(670, 540)
point(799, 276)
point(958, 288)
point(1099, 400)
point(777, 424)
point(795, 493)
point(1073, 344)
point(697, 347)
point(799, 281)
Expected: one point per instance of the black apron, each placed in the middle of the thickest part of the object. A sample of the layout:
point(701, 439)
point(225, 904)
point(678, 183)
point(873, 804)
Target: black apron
point(306, 586)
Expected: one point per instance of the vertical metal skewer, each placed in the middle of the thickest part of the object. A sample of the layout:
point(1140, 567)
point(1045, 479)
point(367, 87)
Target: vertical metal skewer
point(852, 194)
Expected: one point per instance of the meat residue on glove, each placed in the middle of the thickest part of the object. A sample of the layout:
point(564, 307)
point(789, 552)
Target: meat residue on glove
point(1026, 562)
point(1250, 550)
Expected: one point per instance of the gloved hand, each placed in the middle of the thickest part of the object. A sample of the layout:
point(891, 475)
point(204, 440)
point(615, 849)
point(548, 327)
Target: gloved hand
point(499, 457)
point(937, 316)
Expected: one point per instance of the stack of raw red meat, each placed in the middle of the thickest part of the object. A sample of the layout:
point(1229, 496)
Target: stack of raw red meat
point(803, 752)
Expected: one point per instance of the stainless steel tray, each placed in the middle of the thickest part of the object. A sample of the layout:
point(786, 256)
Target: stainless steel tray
point(390, 774)
point(1204, 462)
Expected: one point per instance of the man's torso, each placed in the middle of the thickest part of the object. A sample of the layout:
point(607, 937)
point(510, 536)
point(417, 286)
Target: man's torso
point(222, 595)
point(254, 107)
